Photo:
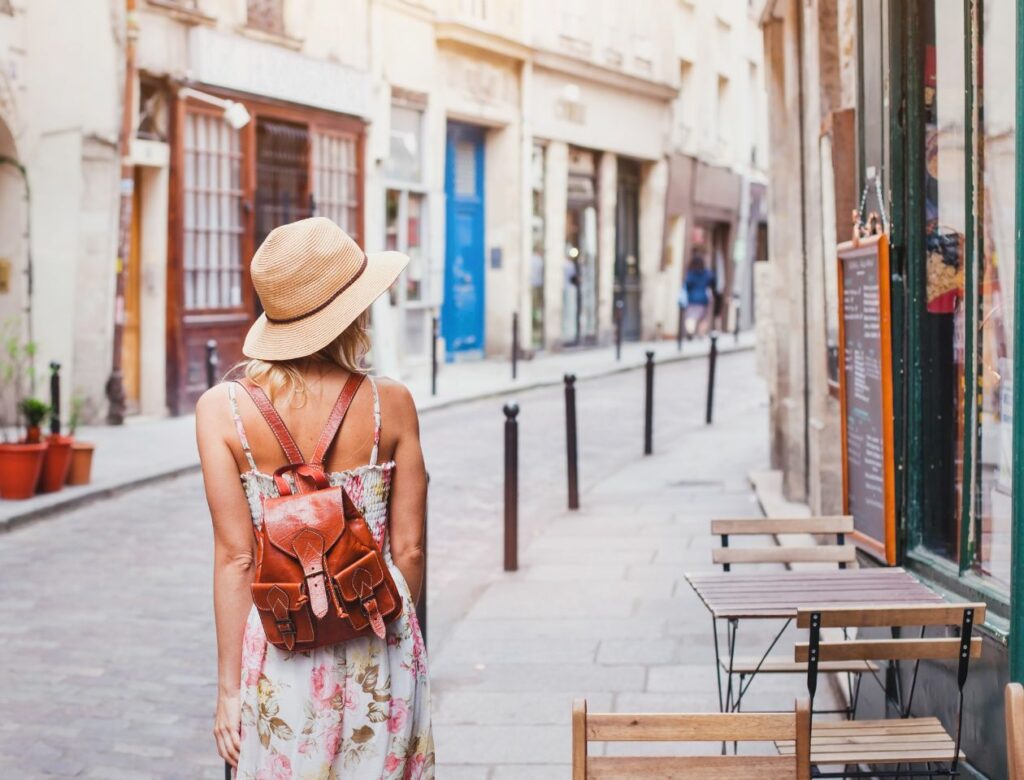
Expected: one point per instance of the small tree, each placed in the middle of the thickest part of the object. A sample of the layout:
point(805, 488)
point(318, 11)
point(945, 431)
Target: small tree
point(17, 368)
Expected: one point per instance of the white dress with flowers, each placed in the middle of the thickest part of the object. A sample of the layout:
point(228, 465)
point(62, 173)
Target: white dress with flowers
point(358, 710)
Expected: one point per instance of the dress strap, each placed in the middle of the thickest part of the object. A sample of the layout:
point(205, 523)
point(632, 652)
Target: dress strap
point(376, 422)
point(236, 415)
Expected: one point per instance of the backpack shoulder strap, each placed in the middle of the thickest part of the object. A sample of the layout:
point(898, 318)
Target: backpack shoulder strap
point(348, 392)
point(277, 426)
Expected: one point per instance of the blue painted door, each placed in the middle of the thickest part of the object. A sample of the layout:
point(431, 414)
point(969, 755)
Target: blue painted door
point(462, 315)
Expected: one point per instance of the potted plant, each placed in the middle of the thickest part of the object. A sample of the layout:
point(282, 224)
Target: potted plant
point(33, 412)
point(57, 463)
point(21, 460)
point(80, 472)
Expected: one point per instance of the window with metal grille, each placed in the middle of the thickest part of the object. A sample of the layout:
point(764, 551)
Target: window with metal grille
point(266, 15)
point(336, 179)
point(212, 236)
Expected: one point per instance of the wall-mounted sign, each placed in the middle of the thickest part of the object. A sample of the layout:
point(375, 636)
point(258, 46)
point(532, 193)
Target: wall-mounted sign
point(865, 393)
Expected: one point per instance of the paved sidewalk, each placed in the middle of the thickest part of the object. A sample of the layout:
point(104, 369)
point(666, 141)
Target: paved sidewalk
point(147, 449)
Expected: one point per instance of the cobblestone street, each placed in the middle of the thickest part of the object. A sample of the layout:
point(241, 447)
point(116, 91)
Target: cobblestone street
point(107, 660)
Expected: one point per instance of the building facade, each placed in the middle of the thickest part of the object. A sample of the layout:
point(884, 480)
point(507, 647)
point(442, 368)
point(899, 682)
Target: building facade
point(557, 164)
point(907, 110)
point(59, 184)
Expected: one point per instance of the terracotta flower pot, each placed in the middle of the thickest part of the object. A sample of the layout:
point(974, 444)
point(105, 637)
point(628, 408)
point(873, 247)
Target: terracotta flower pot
point(56, 464)
point(33, 434)
point(20, 466)
point(80, 472)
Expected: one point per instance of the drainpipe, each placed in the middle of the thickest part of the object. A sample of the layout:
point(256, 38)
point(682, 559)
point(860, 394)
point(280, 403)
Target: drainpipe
point(115, 383)
point(803, 247)
point(4, 160)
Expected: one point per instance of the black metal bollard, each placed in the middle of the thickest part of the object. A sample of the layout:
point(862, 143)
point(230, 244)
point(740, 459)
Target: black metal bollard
point(55, 398)
point(227, 771)
point(433, 355)
point(515, 341)
point(572, 470)
point(511, 487)
point(619, 307)
point(212, 361)
point(712, 359)
point(681, 330)
point(649, 405)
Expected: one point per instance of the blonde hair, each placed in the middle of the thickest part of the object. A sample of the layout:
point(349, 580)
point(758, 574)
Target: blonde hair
point(287, 377)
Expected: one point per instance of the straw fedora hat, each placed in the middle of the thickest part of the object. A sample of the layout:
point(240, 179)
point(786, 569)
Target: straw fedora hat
point(313, 281)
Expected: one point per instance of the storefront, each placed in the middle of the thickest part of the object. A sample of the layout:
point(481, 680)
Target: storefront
point(933, 150)
point(599, 182)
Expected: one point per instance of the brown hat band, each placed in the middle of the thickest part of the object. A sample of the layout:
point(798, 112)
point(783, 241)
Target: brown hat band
point(326, 303)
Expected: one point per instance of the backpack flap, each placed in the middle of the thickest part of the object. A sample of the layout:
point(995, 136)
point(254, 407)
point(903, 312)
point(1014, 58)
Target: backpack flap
point(283, 612)
point(286, 516)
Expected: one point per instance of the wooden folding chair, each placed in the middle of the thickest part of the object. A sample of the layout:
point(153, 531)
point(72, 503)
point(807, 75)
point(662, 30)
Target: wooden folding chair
point(1015, 730)
point(894, 742)
point(680, 727)
point(839, 553)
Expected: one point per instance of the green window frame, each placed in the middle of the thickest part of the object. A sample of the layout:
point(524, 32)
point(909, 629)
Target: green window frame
point(904, 170)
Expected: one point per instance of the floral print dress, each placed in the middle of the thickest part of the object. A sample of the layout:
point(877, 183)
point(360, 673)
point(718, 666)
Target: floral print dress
point(360, 709)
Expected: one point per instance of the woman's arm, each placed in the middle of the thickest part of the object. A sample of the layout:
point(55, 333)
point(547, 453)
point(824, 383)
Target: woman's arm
point(408, 491)
point(234, 561)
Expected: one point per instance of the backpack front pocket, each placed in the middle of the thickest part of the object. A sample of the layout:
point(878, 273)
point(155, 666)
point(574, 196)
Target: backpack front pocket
point(284, 611)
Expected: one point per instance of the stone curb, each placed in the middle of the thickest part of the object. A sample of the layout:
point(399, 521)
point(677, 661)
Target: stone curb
point(92, 493)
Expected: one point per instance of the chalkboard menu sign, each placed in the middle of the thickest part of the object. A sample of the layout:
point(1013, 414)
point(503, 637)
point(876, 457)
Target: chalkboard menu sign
point(865, 392)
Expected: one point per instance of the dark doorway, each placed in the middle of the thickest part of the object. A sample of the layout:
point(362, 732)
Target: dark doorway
point(627, 249)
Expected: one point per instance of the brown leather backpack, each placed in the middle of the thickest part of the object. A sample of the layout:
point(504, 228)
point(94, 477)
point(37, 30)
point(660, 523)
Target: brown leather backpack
point(320, 577)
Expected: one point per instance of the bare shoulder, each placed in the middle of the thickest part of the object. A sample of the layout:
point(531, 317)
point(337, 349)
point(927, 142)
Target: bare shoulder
point(213, 410)
point(396, 401)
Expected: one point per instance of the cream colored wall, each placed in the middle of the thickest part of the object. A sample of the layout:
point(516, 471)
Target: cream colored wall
point(155, 200)
point(68, 145)
point(653, 189)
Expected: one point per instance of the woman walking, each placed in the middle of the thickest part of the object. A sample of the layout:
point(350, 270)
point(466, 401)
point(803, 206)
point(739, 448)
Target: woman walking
point(359, 708)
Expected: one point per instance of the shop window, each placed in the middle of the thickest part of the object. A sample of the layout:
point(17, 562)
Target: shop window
point(995, 279)
point(266, 15)
point(212, 252)
point(943, 319)
point(405, 156)
point(336, 179)
point(405, 228)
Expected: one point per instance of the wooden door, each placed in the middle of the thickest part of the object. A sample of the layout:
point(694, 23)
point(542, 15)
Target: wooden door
point(210, 293)
point(131, 343)
point(462, 315)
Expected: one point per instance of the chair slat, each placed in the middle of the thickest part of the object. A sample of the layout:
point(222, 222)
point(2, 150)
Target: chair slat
point(890, 615)
point(889, 649)
point(685, 727)
point(828, 553)
point(691, 767)
point(1015, 729)
point(837, 524)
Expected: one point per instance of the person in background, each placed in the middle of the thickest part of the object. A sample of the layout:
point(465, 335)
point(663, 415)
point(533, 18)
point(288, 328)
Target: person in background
point(700, 288)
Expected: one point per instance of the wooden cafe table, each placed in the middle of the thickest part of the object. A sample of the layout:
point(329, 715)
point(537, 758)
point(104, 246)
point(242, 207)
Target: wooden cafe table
point(777, 595)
